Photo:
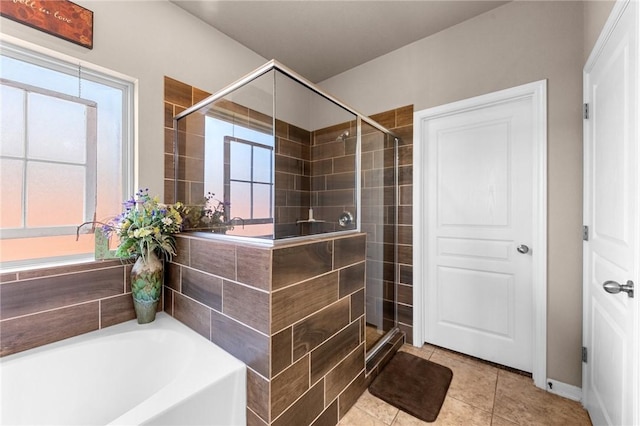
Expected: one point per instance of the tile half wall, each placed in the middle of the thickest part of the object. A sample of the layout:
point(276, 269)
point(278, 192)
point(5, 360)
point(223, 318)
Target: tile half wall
point(294, 314)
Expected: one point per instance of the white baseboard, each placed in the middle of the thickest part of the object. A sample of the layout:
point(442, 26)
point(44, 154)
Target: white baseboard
point(564, 390)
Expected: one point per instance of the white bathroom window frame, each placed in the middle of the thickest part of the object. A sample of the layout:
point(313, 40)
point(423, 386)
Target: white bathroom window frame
point(56, 61)
point(89, 165)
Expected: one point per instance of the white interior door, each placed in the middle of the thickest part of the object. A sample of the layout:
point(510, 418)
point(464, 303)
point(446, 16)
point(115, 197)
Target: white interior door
point(480, 201)
point(611, 375)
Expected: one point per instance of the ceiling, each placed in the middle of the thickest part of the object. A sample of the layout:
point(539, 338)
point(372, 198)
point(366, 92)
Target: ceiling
point(321, 38)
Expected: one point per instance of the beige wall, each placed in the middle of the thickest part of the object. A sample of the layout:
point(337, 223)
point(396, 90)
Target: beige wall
point(595, 15)
point(147, 40)
point(514, 44)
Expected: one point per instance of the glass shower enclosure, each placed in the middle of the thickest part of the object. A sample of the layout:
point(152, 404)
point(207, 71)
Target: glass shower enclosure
point(272, 159)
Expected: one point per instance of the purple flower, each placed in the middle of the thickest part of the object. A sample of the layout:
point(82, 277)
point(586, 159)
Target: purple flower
point(130, 203)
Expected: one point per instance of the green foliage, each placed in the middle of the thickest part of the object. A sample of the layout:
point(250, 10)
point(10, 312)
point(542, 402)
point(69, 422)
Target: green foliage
point(146, 225)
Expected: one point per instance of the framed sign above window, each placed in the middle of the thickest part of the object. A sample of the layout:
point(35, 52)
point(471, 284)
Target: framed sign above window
point(60, 18)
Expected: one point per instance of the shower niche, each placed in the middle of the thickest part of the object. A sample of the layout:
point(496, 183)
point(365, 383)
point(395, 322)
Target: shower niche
point(278, 160)
point(273, 160)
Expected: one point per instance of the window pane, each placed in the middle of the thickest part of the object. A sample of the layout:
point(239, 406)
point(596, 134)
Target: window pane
point(240, 200)
point(12, 121)
point(55, 194)
point(240, 161)
point(261, 165)
point(57, 129)
point(11, 172)
point(261, 201)
point(109, 147)
point(35, 75)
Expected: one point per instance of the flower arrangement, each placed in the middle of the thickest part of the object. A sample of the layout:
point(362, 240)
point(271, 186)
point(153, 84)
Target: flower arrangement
point(209, 214)
point(146, 226)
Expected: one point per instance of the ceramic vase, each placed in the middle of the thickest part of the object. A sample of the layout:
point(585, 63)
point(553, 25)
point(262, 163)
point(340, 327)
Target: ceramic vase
point(146, 286)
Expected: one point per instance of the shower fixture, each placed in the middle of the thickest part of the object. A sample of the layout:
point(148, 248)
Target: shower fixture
point(343, 137)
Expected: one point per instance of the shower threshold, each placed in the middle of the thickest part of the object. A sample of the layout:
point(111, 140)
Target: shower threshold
point(383, 345)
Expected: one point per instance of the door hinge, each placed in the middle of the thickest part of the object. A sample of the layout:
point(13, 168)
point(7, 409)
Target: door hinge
point(585, 233)
point(585, 111)
point(584, 354)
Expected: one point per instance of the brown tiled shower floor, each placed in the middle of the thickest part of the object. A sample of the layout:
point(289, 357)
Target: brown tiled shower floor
point(480, 394)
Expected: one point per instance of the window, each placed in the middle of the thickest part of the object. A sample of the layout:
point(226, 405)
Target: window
point(48, 140)
point(65, 157)
point(239, 171)
point(248, 177)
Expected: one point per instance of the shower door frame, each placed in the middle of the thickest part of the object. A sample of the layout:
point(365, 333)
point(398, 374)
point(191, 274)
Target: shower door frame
point(395, 330)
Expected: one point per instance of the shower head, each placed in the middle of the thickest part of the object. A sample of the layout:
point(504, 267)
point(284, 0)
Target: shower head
point(343, 137)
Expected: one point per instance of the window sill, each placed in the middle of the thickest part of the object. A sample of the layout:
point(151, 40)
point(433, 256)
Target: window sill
point(35, 264)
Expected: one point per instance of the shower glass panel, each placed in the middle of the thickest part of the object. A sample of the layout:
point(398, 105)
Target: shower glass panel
point(270, 157)
point(379, 205)
point(315, 161)
point(229, 183)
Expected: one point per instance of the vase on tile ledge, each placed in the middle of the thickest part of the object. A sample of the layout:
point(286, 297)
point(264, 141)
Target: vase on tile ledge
point(146, 286)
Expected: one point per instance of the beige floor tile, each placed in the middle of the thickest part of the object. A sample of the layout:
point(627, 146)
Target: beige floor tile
point(357, 417)
point(470, 401)
point(519, 401)
point(483, 366)
point(404, 419)
point(377, 408)
point(499, 421)
point(471, 383)
point(455, 412)
point(424, 352)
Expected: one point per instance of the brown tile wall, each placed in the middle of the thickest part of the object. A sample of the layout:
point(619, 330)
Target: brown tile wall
point(314, 322)
point(333, 175)
point(400, 121)
point(179, 96)
point(293, 181)
point(50, 304)
point(299, 330)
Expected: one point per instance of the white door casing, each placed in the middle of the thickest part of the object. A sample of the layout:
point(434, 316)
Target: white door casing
point(611, 322)
point(480, 192)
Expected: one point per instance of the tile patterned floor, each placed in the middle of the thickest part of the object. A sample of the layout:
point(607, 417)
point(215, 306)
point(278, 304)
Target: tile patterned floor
point(480, 394)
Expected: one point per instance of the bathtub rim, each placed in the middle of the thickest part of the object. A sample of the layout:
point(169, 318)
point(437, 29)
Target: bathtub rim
point(196, 376)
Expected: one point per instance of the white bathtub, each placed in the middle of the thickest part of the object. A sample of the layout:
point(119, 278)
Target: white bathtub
point(160, 373)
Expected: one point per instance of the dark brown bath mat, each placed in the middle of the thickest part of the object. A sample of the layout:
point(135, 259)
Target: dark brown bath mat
point(414, 385)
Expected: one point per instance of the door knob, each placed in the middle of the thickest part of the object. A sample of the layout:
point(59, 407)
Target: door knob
point(615, 288)
point(523, 248)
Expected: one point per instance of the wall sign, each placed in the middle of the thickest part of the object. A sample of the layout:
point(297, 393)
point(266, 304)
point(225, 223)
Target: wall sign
point(60, 18)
